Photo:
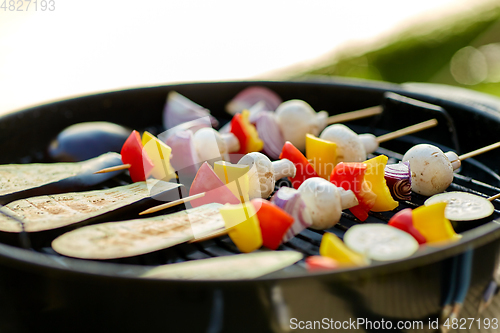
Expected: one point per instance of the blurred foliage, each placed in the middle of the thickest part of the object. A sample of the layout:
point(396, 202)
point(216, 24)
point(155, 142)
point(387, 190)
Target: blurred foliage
point(421, 53)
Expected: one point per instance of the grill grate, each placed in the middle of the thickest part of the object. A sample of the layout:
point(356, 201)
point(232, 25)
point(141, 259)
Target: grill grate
point(309, 240)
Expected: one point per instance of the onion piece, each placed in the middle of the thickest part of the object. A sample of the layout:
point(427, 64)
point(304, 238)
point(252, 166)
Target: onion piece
point(398, 178)
point(270, 132)
point(183, 156)
point(179, 109)
point(252, 95)
point(290, 201)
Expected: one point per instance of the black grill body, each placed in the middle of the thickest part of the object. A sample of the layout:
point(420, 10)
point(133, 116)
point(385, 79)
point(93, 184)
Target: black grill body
point(41, 291)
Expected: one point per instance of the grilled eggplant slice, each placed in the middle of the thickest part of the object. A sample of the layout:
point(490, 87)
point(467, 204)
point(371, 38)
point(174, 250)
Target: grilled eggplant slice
point(19, 181)
point(55, 211)
point(113, 240)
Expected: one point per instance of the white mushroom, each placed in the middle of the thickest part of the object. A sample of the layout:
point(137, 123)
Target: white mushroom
point(296, 119)
point(349, 146)
point(263, 173)
point(431, 169)
point(325, 201)
point(210, 144)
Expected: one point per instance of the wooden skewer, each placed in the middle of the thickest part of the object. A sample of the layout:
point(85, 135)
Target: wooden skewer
point(114, 168)
point(407, 130)
point(363, 113)
point(496, 196)
point(210, 236)
point(171, 204)
point(479, 151)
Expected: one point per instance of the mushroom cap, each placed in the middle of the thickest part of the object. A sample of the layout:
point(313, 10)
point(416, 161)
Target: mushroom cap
point(431, 171)
point(260, 175)
point(208, 144)
point(349, 146)
point(323, 200)
point(296, 119)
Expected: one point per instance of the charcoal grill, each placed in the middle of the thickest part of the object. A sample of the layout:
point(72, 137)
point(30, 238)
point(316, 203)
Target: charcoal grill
point(43, 291)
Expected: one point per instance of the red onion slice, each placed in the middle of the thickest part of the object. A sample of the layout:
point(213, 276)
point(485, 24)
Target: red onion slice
point(290, 201)
point(179, 109)
point(398, 178)
point(269, 131)
point(251, 96)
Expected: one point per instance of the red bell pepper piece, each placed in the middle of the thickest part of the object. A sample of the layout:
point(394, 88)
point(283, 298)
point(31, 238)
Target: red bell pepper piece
point(274, 222)
point(350, 176)
point(321, 263)
point(304, 169)
point(141, 165)
point(238, 129)
point(403, 220)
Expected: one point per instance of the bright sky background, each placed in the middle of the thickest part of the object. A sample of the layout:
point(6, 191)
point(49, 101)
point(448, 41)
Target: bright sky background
point(87, 46)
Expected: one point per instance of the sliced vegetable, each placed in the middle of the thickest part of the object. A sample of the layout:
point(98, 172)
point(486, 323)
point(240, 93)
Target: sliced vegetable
point(180, 109)
point(274, 222)
point(403, 220)
point(135, 237)
point(236, 267)
point(332, 247)
point(28, 180)
point(215, 190)
point(246, 133)
point(380, 241)
point(323, 154)
point(325, 201)
point(463, 206)
point(304, 169)
point(250, 96)
point(374, 177)
point(235, 176)
point(132, 153)
point(350, 176)
point(243, 225)
point(432, 223)
point(55, 211)
point(321, 263)
point(159, 153)
point(290, 200)
point(398, 179)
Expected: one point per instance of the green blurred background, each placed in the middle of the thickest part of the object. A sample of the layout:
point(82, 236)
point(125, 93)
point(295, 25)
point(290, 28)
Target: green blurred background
point(462, 49)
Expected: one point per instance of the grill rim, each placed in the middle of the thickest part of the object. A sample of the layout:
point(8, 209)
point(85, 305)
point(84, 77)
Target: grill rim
point(481, 235)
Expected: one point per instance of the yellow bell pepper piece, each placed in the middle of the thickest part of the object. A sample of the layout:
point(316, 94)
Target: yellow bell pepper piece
point(333, 247)
point(244, 227)
point(374, 178)
point(432, 224)
point(235, 176)
point(159, 153)
point(323, 154)
point(254, 142)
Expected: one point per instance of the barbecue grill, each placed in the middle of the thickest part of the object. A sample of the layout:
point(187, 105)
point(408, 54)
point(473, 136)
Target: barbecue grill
point(43, 291)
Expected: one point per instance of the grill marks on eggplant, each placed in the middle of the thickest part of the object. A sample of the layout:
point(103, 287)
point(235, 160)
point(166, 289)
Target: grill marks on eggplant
point(54, 211)
point(134, 237)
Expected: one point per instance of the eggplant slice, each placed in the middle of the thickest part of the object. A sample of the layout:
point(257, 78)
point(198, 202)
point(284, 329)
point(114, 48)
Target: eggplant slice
point(54, 211)
point(19, 181)
point(113, 240)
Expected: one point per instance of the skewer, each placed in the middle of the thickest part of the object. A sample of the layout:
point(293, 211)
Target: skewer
point(479, 151)
point(407, 130)
point(496, 196)
point(353, 115)
point(210, 236)
point(171, 204)
point(114, 168)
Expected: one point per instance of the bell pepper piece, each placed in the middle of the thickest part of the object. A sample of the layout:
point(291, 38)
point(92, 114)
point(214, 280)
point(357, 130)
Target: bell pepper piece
point(243, 224)
point(350, 176)
point(274, 222)
point(323, 153)
point(235, 176)
point(246, 133)
point(431, 222)
point(320, 263)
point(374, 177)
point(403, 220)
point(159, 153)
point(304, 169)
point(132, 153)
point(206, 180)
point(333, 247)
